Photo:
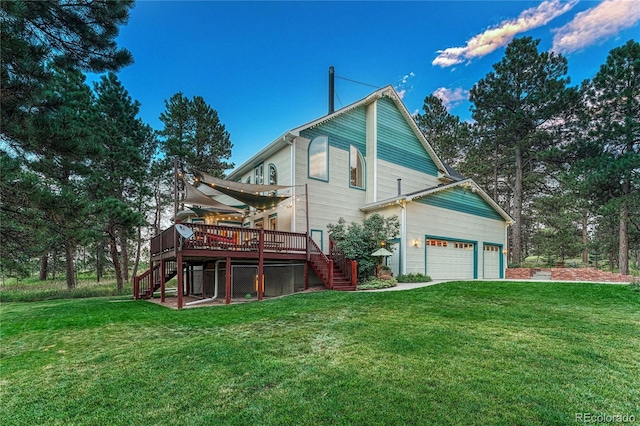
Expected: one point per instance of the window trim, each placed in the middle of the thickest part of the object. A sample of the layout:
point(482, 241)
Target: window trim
point(256, 173)
point(326, 138)
point(364, 169)
point(269, 166)
point(273, 216)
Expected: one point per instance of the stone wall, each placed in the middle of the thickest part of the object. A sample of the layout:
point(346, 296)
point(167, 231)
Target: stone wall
point(570, 274)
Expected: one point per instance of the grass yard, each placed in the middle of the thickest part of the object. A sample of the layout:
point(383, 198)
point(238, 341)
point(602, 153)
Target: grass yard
point(460, 353)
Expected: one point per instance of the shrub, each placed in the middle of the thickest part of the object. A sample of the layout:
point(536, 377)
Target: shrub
point(374, 283)
point(414, 278)
point(359, 241)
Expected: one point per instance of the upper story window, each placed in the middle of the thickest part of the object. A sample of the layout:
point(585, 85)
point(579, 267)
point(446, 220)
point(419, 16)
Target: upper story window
point(249, 179)
point(273, 174)
point(356, 168)
point(258, 173)
point(319, 158)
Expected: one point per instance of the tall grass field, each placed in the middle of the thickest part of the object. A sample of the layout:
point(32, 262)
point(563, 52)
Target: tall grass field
point(458, 353)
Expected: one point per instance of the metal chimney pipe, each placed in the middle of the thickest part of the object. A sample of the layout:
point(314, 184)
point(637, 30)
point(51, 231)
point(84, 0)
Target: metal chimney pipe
point(331, 89)
point(399, 187)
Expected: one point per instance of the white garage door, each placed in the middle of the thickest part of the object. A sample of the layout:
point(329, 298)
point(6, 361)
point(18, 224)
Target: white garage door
point(449, 259)
point(491, 261)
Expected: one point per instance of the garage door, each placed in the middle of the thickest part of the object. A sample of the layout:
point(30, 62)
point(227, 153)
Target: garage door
point(450, 259)
point(491, 261)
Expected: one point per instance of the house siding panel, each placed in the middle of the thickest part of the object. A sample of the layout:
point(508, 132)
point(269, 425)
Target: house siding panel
point(330, 200)
point(461, 200)
point(397, 143)
point(412, 180)
point(343, 131)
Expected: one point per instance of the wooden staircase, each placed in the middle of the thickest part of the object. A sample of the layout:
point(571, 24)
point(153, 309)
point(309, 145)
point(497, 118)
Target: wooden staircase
point(340, 281)
point(337, 273)
point(145, 284)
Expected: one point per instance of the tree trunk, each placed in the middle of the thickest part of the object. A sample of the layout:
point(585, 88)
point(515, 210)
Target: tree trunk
point(585, 239)
point(69, 253)
point(44, 267)
point(113, 242)
point(136, 263)
point(124, 247)
point(517, 206)
point(158, 217)
point(623, 250)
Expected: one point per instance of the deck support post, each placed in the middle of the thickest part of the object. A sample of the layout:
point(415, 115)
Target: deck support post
point(261, 266)
point(163, 278)
point(180, 279)
point(306, 275)
point(227, 282)
point(189, 278)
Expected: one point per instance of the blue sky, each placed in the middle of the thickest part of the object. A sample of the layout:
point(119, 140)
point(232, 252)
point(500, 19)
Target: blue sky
point(263, 65)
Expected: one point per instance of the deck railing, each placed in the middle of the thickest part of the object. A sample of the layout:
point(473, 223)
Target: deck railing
point(321, 264)
point(214, 237)
point(347, 266)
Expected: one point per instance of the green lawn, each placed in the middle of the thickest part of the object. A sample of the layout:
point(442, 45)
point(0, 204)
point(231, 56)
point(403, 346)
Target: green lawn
point(459, 353)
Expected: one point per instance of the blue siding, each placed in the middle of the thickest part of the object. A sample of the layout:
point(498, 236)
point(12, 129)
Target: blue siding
point(397, 143)
point(345, 130)
point(463, 201)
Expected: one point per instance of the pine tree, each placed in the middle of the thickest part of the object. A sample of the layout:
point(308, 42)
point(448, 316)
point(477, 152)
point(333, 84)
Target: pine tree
point(448, 136)
point(608, 166)
point(516, 105)
point(119, 170)
point(194, 134)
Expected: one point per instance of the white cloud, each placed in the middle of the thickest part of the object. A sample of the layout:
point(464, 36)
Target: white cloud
point(598, 23)
point(502, 34)
point(451, 97)
point(404, 85)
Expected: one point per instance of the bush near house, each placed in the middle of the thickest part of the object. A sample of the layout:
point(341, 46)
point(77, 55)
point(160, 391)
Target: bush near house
point(413, 278)
point(374, 283)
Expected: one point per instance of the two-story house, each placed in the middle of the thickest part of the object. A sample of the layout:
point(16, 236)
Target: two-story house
point(369, 157)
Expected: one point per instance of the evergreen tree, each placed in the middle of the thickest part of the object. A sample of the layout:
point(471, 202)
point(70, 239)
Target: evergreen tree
point(516, 104)
point(43, 46)
point(193, 133)
point(119, 170)
point(448, 136)
point(608, 166)
point(36, 34)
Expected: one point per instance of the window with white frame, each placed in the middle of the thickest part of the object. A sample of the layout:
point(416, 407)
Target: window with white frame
point(273, 174)
point(356, 167)
point(258, 173)
point(319, 158)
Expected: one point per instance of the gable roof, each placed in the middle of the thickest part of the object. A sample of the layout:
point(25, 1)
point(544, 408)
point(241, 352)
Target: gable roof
point(387, 91)
point(414, 196)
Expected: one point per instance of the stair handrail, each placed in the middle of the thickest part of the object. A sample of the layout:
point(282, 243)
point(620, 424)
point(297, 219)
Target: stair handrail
point(144, 280)
point(347, 266)
point(321, 263)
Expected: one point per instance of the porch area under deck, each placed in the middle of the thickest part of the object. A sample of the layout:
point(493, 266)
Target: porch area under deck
point(171, 255)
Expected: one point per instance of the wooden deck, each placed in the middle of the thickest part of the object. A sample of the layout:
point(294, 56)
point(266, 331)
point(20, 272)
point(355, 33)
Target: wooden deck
point(173, 255)
point(213, 241)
